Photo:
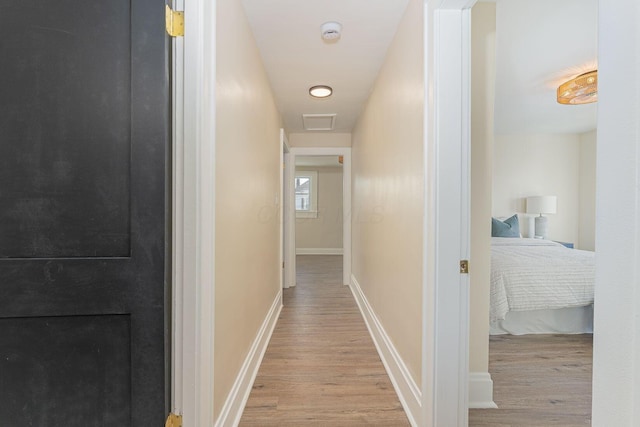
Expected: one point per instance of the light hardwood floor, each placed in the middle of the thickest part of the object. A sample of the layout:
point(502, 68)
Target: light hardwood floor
point(321, 367)
point(539, 380)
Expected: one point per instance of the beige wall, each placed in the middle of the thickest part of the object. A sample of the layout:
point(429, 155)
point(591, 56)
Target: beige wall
point(388, 192)
point(247, 228)
point(483, 27)
point(325, 231)
point(538, 165)
point(587, 236)
point(318, 139)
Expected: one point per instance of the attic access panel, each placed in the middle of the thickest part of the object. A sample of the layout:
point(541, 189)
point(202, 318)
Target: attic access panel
point(323, 122)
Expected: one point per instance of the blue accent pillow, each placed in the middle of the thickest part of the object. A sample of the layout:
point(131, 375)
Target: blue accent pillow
point(507, 228)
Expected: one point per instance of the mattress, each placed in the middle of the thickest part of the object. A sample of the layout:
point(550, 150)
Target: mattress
point(536, 274)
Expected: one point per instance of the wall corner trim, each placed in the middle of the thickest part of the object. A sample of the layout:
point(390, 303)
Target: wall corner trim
point(237, 399)
point(407, 390)
point(481, 391)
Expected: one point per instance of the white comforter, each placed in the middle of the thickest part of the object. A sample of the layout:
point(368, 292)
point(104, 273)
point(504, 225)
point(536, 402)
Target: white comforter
point(534, 274)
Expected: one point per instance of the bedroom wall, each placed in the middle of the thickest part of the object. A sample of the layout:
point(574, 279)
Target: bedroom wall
point(388, 202)
point(538, 165)
point(315, 139)
point(325, 231)
point(587, 228)
point(247, 241)
point(483, 31)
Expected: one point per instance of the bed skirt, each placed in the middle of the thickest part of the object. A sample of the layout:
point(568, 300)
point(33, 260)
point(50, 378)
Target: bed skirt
point(575, 320)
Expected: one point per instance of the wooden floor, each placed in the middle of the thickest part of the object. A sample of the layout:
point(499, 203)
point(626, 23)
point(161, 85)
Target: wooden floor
point(538, 380)
point(321, 367)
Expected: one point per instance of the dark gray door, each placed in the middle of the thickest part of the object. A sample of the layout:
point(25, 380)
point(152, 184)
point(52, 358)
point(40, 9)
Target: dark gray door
point(84, 118)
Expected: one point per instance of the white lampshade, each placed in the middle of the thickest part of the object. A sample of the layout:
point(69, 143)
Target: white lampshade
point(542, 204)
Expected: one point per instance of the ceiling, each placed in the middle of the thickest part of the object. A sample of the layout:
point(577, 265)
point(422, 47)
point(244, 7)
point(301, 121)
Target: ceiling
point(295, 56)
point(539, 44)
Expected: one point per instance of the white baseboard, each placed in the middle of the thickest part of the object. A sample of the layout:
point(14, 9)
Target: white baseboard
point(237, 399)
point(481, 390)
point(319, 251)
point(408, 392)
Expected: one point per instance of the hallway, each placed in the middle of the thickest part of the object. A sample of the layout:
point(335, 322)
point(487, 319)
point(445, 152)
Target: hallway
point(321, 366)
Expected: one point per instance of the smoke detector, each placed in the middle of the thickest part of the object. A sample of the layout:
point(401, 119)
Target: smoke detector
point(331, 31)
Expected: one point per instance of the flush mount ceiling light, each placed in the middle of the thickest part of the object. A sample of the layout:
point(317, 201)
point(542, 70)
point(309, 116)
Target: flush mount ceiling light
point(579, 90)
point(320, 91)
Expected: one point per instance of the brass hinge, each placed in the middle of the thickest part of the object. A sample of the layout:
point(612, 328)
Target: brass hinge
point(174, 420)
point(174, 21)
point(464, 266)
point(282, 264)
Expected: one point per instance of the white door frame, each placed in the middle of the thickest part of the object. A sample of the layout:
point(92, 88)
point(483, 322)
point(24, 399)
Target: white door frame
point(616, 349)
point(284, 203)
point(447, 29)
point(290, 246)
point(193, 223)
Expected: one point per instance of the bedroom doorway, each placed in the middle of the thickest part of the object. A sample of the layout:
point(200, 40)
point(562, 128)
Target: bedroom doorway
point(511, 139)
point(318, 184)
point(315, 163)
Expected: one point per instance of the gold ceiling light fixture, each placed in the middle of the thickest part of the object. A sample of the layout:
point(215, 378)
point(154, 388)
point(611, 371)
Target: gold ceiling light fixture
point(582, 89)
point(320, 91)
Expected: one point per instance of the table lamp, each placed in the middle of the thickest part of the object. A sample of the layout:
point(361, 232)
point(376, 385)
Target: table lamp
point(541, 205)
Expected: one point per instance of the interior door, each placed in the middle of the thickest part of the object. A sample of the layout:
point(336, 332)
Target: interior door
point(84, 123)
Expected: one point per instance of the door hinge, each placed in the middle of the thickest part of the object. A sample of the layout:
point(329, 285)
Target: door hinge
point(464, 266)
point(282, 264)
point(174, 420)
point(174, 21)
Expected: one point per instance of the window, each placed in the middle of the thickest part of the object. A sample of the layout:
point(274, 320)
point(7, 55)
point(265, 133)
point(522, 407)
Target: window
point(306, 189)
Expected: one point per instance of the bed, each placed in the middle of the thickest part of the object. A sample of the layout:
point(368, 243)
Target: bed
point(540, 286)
